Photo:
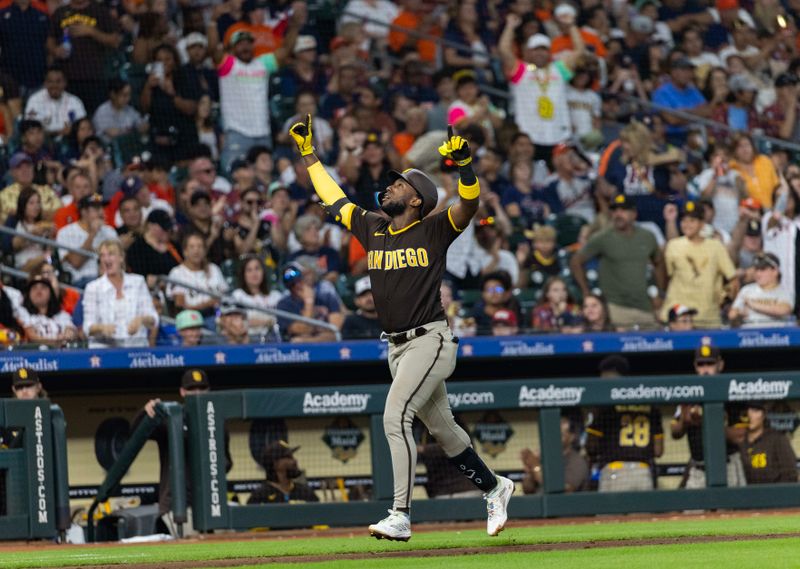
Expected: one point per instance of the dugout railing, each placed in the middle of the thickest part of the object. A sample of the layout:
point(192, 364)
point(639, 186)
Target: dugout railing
point(206, 415)
point(34, 483)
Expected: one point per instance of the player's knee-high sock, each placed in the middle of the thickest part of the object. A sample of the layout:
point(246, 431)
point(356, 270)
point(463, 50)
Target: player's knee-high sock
point(473, 467)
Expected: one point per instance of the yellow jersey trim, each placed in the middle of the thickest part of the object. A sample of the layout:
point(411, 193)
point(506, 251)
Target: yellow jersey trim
point(594, 432)
point(453, 223)
point(406, 228)
point(469, 192)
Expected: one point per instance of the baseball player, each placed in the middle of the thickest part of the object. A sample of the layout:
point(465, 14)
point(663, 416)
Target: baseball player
point(406, 252)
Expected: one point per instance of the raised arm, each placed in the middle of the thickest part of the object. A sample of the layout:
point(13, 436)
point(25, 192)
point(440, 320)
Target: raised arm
point(457, 149)
point(329, 191)
point(506, 44)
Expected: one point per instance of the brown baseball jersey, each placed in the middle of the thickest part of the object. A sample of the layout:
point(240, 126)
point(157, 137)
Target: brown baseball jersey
point(626, 433)
point(405, 266)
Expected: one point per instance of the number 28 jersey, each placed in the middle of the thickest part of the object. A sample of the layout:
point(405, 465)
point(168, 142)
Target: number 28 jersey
point(626, 432)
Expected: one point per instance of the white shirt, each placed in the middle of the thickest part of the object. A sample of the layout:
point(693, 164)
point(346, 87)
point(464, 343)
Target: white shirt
point(755, 319)
point(465, 256)
point(74, 235)
point(381, 10)
point(584, 106)
point(30, 251)
point(54, 113)
point(49, 327)
point(16, 298)
point(242, 298)
point(244, 94)
point(100, 306)
point(107, 117)
point(210, 280)
point(540, 102)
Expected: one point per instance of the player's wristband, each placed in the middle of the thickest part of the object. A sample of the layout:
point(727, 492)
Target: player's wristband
point(468, 186)
point(306, 150)
point(463, 162)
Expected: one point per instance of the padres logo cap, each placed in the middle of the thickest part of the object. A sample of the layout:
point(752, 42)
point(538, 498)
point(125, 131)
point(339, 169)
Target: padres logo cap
point(420, 181)
point(195, 379)
point(622, 201)
point(706, 353)
point(24, 376)
point(693, 209)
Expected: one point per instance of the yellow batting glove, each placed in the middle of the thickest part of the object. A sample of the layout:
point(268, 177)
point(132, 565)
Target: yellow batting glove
point(456, 148)
point(301, 133)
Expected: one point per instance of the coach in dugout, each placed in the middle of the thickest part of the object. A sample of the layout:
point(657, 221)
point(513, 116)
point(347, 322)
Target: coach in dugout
point(282, 471)
point(193, 382)
point(624, 440)
point(688, 422)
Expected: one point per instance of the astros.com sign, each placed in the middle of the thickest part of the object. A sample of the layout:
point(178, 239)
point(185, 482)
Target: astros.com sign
point(759, 389)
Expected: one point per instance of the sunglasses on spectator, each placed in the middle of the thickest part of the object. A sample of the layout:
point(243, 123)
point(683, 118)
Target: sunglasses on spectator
point(498, 289)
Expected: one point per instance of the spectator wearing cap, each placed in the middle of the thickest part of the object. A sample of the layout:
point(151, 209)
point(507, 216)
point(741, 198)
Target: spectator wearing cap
point(117, 306)
point(767, 454)
point(304, 73)
point(756, 169)
point(745, 246)
point(189, 325)
point(723, 186)
point(542, 259)
point(680, 94)
point(695, 266)
point(53, 106)
point(232, 324)
point(473, 108)
point(307, 230)
point(25, 386)
point(305, 103)
point(22, 174)
point(281, 485)
point(153, 253)
point(625, 251)
point(208, 222)
point(78, 186)
point(504, 323)
point(116, 117)
point(24, 27)
point(134, 186)
point(568, 190)
point(688, 422)
point(196, 71)
point(244, 76)
point(780, 119)
point(254, 294)
point(193, 382)
point(681, 318)
point(171, 101)
point(564, 14)
point(539, 86)
point(203, 276)
point(87, 233)
point(555, 307)
point(28, 219)
point(309, 298)
point(763, 303)
point(367, 170)
point(363, 323)
point(46, 322)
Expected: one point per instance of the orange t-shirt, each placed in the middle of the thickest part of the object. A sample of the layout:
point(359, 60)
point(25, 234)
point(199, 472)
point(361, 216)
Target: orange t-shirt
point(410, 21)
point(264, 38)
point(564, 43)
point(166, 193)
point(355, 252)
point(402, 142)
point(69, 300)
point(66, 215)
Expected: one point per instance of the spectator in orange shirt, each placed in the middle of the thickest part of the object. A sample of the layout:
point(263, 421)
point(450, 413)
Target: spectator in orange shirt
point(564, 42)
point(415, 15)
point(265, 40)
point(78, 185)
point(416, 126)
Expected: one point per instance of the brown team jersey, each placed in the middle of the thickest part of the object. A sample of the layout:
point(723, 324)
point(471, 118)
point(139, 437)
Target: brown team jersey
point(769, 459)
point(405, 266)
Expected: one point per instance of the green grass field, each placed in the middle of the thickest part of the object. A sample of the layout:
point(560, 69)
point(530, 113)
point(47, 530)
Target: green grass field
point(777, 553)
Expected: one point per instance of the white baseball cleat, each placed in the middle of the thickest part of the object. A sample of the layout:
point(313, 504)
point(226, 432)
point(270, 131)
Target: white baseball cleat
point(395, 527)
point(496, 504)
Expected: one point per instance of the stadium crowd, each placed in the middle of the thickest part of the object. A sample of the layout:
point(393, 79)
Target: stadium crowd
point(636, 163)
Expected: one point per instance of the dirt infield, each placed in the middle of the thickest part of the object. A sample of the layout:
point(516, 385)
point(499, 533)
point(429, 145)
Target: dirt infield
point(447, 552)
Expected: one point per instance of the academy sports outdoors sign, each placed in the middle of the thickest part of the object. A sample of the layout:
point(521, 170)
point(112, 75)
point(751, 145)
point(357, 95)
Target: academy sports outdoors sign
point(760, 389)
point(550, 396)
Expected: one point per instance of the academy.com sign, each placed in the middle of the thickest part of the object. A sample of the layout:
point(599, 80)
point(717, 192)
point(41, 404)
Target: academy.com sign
point(759, 389)
point(550, 396)
point(657, 392)
point(333, 403)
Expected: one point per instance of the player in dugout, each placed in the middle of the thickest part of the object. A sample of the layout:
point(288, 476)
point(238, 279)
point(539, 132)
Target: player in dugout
point(406, 251)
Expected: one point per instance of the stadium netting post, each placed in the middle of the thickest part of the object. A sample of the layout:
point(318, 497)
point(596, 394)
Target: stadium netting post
point(172, 413)
point(59, 426)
